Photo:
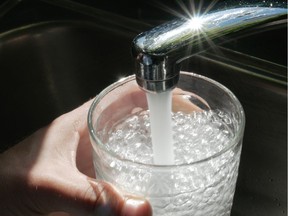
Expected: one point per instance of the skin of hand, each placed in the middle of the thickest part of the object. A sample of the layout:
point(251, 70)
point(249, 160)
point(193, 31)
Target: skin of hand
point(130, 99)
point(51, 172)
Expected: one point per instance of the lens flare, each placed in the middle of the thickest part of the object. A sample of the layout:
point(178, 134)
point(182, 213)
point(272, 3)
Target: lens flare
point(196, 23)
point(194, 12)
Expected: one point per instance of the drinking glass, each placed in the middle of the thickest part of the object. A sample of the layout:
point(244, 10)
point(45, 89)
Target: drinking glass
point(202, 181)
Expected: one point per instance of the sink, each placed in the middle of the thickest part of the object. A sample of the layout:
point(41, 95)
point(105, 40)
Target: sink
point(254, 68)
point(49, 68)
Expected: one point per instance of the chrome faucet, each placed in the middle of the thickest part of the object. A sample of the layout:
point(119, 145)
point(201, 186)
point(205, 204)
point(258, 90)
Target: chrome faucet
point(159, 51)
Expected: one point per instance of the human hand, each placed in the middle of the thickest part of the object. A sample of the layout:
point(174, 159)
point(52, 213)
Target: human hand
point(52, 171)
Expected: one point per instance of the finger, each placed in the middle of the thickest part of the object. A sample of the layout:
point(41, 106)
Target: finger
point(76, 122)
point(93, 197)
point(184, 101)
point(84, 157)
point(118, 104)
point(182, 104)
point(74, 192)
point(111, 202)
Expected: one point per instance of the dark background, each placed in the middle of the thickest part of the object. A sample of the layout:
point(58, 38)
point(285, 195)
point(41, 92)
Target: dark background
point(49, 69)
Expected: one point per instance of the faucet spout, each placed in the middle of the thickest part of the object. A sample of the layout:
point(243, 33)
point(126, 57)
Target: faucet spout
point(159, 51)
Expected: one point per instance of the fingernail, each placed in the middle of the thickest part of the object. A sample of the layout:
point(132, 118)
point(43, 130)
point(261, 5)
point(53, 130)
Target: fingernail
point(136, 207)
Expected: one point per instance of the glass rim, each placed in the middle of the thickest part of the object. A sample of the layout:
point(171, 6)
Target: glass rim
point(232, 142)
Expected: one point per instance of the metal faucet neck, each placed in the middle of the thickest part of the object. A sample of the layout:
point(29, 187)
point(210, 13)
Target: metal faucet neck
point(159, 51)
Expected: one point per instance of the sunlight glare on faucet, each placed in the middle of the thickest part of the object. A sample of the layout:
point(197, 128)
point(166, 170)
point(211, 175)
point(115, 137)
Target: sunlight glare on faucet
point(196, 23)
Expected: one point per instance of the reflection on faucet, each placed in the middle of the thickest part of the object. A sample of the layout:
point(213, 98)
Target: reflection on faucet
point(159, 51)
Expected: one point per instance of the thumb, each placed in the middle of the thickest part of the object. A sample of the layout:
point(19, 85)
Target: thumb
point(111, 202)
point(95, 197)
